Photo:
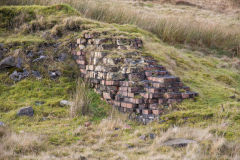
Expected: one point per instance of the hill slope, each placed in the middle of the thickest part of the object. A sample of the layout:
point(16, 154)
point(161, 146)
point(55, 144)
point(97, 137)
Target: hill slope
point(51, 32)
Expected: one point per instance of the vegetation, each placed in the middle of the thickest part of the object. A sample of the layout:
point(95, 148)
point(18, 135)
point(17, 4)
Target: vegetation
point(175, 30)
point(212, 119)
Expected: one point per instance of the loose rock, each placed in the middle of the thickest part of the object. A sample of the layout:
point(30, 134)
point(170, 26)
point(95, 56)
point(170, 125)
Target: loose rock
point(42, 57)
point(178, 142)
point(54, 74)
point(17, 76)
point(8, 62)
point(2, 124)
point(26, 111)
point(65, 103)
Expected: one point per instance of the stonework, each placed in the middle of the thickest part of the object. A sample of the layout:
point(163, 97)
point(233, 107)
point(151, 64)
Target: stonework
point(116, 69)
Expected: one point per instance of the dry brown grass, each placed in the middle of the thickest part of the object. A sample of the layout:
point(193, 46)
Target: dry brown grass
point(81, 100)
point(174, 30)
point(15, 145)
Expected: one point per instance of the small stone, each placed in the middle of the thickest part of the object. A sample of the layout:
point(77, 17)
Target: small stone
point(39, 103)
point(152, 135)
point(26, 111)
point(36, 74)
point(179, 142)
point(42, 57)
point(87, 124)
point(54, 74)
point(82, 158)
point(17, 76)
point(2, 124)
point(143, 137)
point(65, 103)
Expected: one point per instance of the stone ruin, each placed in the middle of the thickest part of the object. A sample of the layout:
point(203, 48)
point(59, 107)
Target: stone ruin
point(117, 70)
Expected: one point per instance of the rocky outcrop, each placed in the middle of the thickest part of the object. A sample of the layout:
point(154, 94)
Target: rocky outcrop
point(116, 68)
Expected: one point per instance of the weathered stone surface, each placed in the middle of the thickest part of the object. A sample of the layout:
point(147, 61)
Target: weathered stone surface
point(26, 111)
point(66, 103)
point(54, 74)
point(40, 58)
point(17, 76)
point(179, 142)
point(8, 62)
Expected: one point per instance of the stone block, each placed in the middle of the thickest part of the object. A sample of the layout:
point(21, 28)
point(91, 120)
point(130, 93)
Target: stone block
point(146, 111)
point(143, 106)
point(107, 95)
point(90, 67)
point(124, 89)
point(82, 62)
point(127, 105)
point(153, 106)
point(157, 112)
point(172, 95)
point(83, 71)
point(99, 54)
point(136, 76)
point(81, 41)
point(150, 101)
point(117, 103)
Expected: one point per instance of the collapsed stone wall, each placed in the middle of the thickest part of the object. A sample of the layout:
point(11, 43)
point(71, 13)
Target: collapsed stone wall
point(118, 71)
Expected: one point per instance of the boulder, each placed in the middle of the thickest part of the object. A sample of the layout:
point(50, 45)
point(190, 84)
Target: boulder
point(26, 111)
point(65, 103)
point(178, 142)
point(7, 62)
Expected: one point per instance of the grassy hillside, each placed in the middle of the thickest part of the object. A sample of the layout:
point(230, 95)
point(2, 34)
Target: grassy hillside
point(211, 119)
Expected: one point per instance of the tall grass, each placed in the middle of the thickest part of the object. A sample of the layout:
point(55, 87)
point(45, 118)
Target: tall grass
point(174, 30)
point(81, 100)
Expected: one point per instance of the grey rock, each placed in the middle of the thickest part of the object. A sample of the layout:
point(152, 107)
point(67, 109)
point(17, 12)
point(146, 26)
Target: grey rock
point(40, 58)
point(143, 137)
point(7, 62)
point(39, 103)
point(62, 57)
point(30, 54)
point(178, 142)
point(17, 76)
point(1, 45)
point(26, 111)
point(65, 103)
point(2, 124)
point(36, 74)
point(82, 158)
point(54, 74)
point(19, 62)
point(152, 135)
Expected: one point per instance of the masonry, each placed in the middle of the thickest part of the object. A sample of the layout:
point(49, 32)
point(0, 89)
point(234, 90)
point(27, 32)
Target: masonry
point(117, 70)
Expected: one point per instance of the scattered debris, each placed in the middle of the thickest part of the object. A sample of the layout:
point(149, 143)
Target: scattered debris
point(179, 142)
point(26, 111)
point(66, 103)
